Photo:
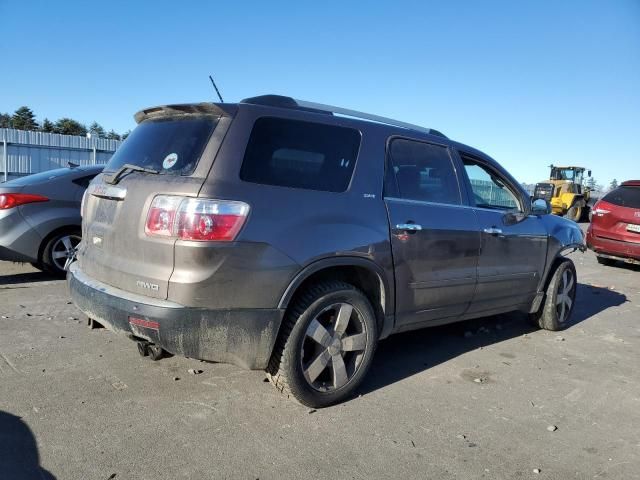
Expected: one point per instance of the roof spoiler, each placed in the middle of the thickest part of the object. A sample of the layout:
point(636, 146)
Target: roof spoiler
point(205, 108)
point(289, 102)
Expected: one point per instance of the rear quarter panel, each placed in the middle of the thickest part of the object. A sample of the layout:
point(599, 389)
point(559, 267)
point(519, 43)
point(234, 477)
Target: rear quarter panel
point(62, 209)
point(18, 241)
point(292, 228)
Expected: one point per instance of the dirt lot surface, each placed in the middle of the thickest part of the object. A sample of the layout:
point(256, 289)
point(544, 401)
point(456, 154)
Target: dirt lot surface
point(485, 399)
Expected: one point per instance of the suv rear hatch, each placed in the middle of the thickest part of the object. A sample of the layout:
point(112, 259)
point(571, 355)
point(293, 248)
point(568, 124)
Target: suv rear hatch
point(175, 146)
point(617, 215)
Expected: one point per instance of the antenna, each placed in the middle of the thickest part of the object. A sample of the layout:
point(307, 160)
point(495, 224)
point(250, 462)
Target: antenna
point(216, 88)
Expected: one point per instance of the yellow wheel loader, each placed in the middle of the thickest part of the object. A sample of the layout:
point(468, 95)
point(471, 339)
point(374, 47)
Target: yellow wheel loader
point(566, 192)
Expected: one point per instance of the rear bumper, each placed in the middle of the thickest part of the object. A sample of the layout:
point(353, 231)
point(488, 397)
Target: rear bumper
point(615, 248)
point(244, 337)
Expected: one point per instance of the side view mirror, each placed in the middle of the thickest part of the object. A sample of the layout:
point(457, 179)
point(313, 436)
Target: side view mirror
point(540, 207)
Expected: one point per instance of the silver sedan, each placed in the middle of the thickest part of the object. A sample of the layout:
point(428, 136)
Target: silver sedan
point(40, 216)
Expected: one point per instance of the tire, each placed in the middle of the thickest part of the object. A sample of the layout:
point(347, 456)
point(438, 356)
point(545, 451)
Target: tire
point(605, 261)
point(574, 213)
point(312, 360)
point(57, 250)
point(559, 298)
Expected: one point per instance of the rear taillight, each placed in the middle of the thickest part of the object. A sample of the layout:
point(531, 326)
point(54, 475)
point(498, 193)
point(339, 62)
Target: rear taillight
point(161, 216)
point(195, 219)
point(210, 219)
point(599, 210)
point(10, 200)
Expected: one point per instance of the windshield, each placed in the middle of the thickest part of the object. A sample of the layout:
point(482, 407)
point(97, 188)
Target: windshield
point(171, 146)
point(561, 174)
point(566, 174)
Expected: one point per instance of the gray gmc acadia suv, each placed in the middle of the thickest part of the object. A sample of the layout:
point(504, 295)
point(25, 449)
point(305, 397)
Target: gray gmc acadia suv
point(289, 236)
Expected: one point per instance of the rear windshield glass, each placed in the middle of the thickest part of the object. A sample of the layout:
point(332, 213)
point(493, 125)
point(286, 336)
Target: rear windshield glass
point(624, 196)
point(171, 146)
point(291, 153)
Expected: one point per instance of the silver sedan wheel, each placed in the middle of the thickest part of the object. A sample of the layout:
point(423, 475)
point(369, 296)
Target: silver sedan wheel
point(565, 295)
point(333, 347)
point(64, 249)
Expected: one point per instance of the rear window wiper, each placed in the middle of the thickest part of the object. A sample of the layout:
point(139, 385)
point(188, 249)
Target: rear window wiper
point(127, 167)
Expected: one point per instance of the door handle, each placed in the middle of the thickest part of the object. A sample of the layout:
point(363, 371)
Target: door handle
point(493, 231)
point(412, 227)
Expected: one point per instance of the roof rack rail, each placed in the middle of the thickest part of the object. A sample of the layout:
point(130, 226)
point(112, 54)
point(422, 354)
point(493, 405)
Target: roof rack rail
point(368, 116)
point(288, 102)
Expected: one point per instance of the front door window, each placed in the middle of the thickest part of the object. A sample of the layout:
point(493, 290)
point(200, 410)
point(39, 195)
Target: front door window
point(489, 190)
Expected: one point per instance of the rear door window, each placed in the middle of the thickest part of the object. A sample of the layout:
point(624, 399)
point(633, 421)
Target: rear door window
point(624, 196)
point(424, 172)
point(171, 145)
point(292, 153)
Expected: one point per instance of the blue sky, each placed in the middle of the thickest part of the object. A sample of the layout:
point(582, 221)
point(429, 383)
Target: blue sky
point(529, 83)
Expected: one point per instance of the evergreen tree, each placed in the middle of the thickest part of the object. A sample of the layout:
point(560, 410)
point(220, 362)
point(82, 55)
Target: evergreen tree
point(47, 126)
point(613, 184)
point(112, 135)
point(5, 120)
point(96, 129)
point(68, 126)
point(24, 119)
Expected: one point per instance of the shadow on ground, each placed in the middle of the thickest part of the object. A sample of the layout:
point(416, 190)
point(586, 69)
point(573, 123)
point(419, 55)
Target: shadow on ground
point(592, 300)
point(19, 458)
point(407, 354)
point(27, 277)
point(632, 267)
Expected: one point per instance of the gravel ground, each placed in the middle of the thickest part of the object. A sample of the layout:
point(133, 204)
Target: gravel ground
point(483, 399)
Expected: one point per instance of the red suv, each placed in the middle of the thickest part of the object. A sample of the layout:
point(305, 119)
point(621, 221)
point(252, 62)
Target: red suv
point(614, 233)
